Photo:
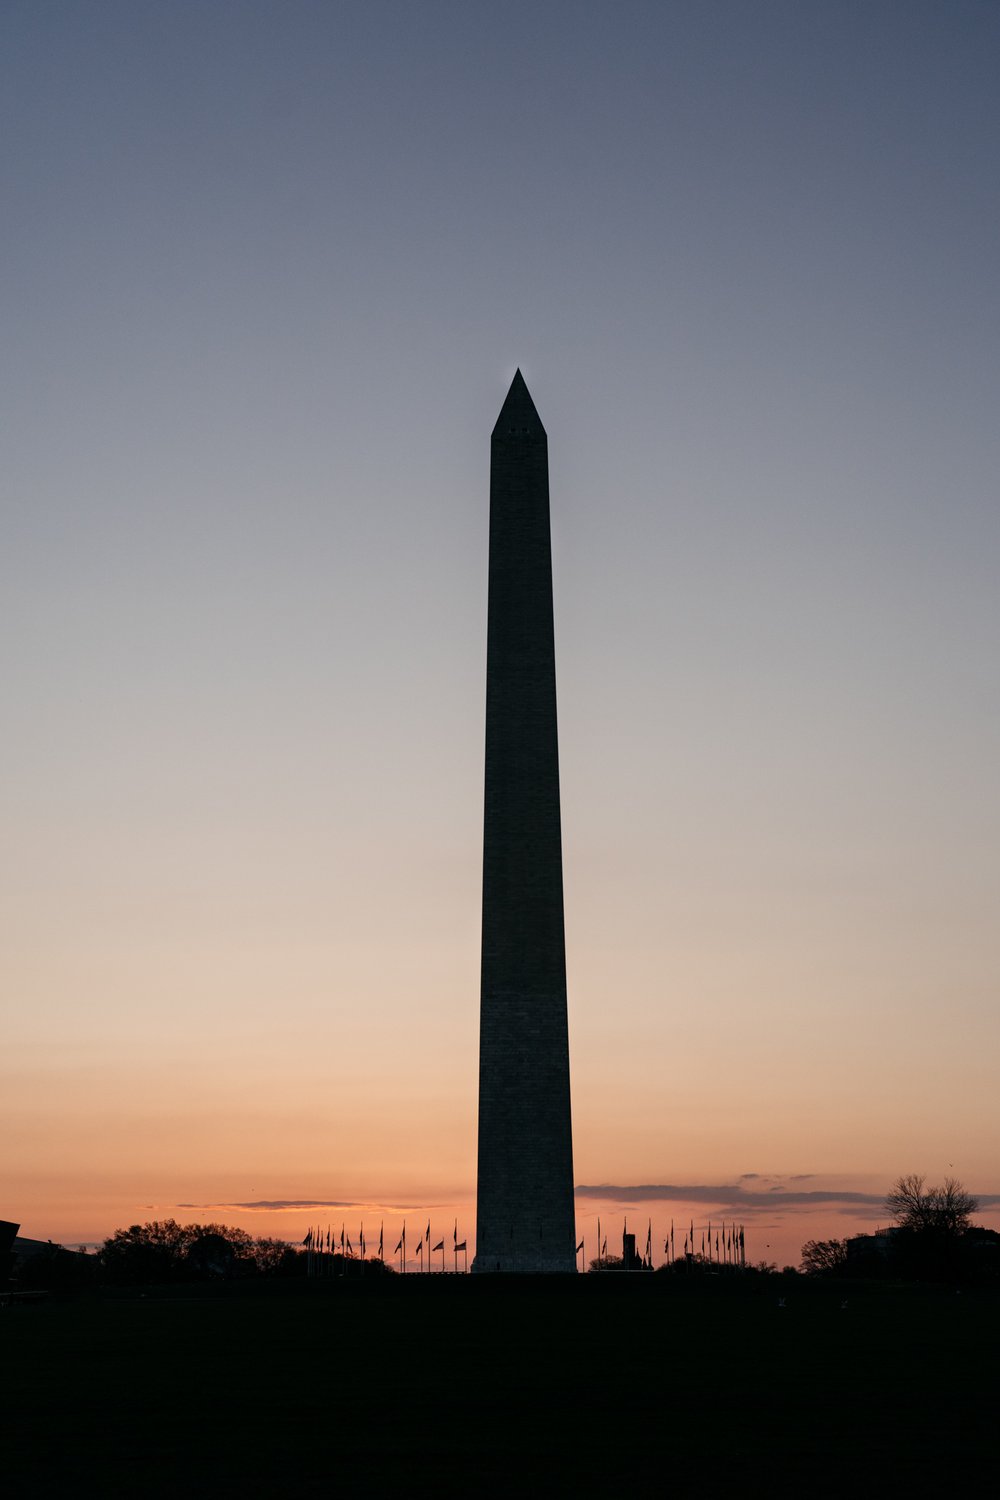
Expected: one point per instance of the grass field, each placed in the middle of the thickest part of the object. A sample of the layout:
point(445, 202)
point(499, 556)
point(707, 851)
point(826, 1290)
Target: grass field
point(448, 1382)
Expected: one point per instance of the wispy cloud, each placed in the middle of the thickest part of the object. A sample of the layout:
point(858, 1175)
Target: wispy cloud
point(272, 1205)
point(739, 1199)
point(755, 1200)
point(309, 1205)
point(731, 1195)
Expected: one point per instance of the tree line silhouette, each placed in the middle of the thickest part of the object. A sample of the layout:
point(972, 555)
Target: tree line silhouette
point(163, 1252)
point(932, 1237)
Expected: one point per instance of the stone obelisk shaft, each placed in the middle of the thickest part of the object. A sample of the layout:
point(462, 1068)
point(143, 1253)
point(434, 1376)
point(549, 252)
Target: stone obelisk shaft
point(525, 1212)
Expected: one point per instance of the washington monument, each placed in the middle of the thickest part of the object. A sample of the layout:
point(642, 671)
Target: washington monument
point(524, 1212)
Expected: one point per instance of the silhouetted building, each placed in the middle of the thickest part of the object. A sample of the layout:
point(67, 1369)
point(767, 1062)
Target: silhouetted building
point(8, 1233)
point(525, 1210)
point(971, 1254)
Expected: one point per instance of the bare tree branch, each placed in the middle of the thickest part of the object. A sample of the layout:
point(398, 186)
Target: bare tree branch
point(946, 1209)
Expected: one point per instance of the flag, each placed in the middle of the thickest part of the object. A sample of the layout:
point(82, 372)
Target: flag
point(437, 1247)
point(398, 1247)
point(308, 1239)
point(427, 1236)
point(381, 1252)
point(350, 1247)
point(460, 1245)
point(420, 1247)
point(341, 1239)
point(604, 1250)
point(362, 1241)
point(456, 1234)
point(579, 1247)
point(649, 1241)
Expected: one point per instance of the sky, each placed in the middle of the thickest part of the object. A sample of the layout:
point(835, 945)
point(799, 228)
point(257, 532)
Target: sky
point(266, 274)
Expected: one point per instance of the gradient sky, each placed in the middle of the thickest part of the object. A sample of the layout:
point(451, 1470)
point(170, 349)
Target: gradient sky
point(266, 273)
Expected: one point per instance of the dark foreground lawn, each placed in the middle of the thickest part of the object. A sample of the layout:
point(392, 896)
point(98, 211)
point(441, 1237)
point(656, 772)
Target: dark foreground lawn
point(301, 1388)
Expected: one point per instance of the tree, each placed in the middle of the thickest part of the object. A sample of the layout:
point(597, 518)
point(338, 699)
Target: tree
point(219, 1250)
point(824, 1257)
point(271, 1256)
point(607, 1263)
point(149, 1252)
point(945, 1211)
point(164, 1250)
point(212, 1256)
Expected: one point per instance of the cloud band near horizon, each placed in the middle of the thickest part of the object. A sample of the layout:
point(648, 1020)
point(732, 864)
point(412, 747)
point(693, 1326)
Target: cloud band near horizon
point(307, 1205)
point(754, 1200)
